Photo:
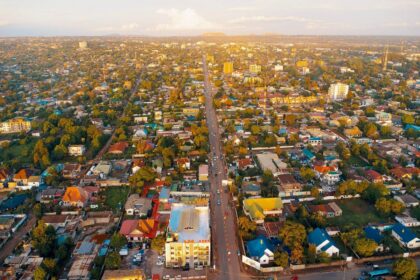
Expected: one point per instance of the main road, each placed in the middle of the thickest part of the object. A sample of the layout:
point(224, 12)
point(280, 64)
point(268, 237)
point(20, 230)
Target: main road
point(226, 257)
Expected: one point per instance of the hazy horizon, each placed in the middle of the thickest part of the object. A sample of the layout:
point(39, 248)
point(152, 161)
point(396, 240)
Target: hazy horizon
point(163, 18)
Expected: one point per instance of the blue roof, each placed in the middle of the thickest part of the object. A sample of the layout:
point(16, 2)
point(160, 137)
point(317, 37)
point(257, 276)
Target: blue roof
point(164, 193)
point(319, 236)
point(315, 138)
point(13, 202)
point(257, 246)
point(374, 234)
point(86, 248)
point(405, 233)
point(308, 154)
point(415, 127)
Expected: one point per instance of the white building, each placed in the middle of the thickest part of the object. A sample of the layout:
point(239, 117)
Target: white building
point(338, 91)
point(76, 150)
point(188, 237)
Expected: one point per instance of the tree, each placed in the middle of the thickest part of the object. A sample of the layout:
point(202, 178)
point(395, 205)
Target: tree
point(315, 192)
point(296, 255)
point(281, 259)
point(43, 239)
point(307, 173)
point(405, 269)
point(50, 265)
point(118, 241)
point(407, 119)
point(293, 234)
point(365, 247)
point(158, 243)
point(311, 254)
point(112, 261)
point(38, 210)
point(371, 130)
point(246, 224)
point(375, 191)
point(387, 206)
point(40, 273)
point(41, 155)
point(144, 174)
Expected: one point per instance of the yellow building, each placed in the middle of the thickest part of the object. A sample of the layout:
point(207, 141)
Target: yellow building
point(191, 111)
point(258, 208)
point(228, 67)
point(255, 68)
point(16, 125)
point(302, 63)
point(124, 274)
point(188, 238)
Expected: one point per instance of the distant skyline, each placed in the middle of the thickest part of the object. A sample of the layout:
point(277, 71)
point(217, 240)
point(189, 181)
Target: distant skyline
point(194, 17)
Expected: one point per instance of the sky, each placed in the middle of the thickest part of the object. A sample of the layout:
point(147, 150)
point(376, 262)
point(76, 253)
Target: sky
point(194, 17)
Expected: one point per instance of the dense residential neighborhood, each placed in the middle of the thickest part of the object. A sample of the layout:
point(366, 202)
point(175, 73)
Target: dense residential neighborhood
point(207, 158)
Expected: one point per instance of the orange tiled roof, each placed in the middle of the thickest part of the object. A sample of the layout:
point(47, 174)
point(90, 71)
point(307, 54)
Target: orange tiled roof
point(74, 194)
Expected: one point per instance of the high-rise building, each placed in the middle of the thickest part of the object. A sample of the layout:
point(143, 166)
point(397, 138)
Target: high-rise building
point(228, 67)
point(82, 45)
point(255, 68)
point(188, 236)
point(338, 91)
point(16, 125)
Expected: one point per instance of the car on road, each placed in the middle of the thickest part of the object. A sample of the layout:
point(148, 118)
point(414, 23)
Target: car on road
point(228, 252)
point(218, 191)
point(239, 253)
point(218, 202)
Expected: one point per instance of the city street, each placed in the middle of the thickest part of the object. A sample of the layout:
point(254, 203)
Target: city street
point(224, 238)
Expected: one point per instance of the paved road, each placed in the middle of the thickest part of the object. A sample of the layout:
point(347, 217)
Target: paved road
point(224, 238)
point(12, 243)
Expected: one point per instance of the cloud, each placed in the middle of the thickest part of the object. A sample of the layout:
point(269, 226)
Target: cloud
point(187, 19)
point(130, 26)
point(244, 19)
point(3, 23)
point(243, 8)
point(122, 28)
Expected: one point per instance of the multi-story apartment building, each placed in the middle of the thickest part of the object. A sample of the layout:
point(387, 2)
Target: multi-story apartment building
point(228, 67)
point(188, 237)
point(338, 91)
point(16, 125)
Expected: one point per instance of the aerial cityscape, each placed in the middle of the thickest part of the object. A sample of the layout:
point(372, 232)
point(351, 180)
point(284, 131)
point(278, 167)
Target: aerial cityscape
point(233, 140)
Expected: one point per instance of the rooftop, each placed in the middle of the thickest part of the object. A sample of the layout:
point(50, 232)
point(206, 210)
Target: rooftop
point(189, 222)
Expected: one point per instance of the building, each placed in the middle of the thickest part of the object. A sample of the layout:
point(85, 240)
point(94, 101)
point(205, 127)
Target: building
point(137, 205)
point(288, 184)
point(323, 242)
point(338, 91)
point(124, 274)
point(270, 162)
point(329, 210)
point(83, 45)
point(408, 200)
point(407, 221)
point(75, 196)
point(138, 230)
point(260, 249)
point(203, 172)
point(255, 68)
point(188, 237)
point(228, 67)
point(76, 150)
point(16, 125)
point(405, 236)
point(258, 208)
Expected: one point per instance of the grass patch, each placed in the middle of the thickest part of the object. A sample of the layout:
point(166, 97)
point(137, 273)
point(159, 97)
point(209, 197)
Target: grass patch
point(115, 197)
point(357, 213)
point(357, 162)
point(18, 153)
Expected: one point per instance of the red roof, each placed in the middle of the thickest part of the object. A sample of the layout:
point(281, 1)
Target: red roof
point(242, 163)
point(373, 175)
point(118, 148)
